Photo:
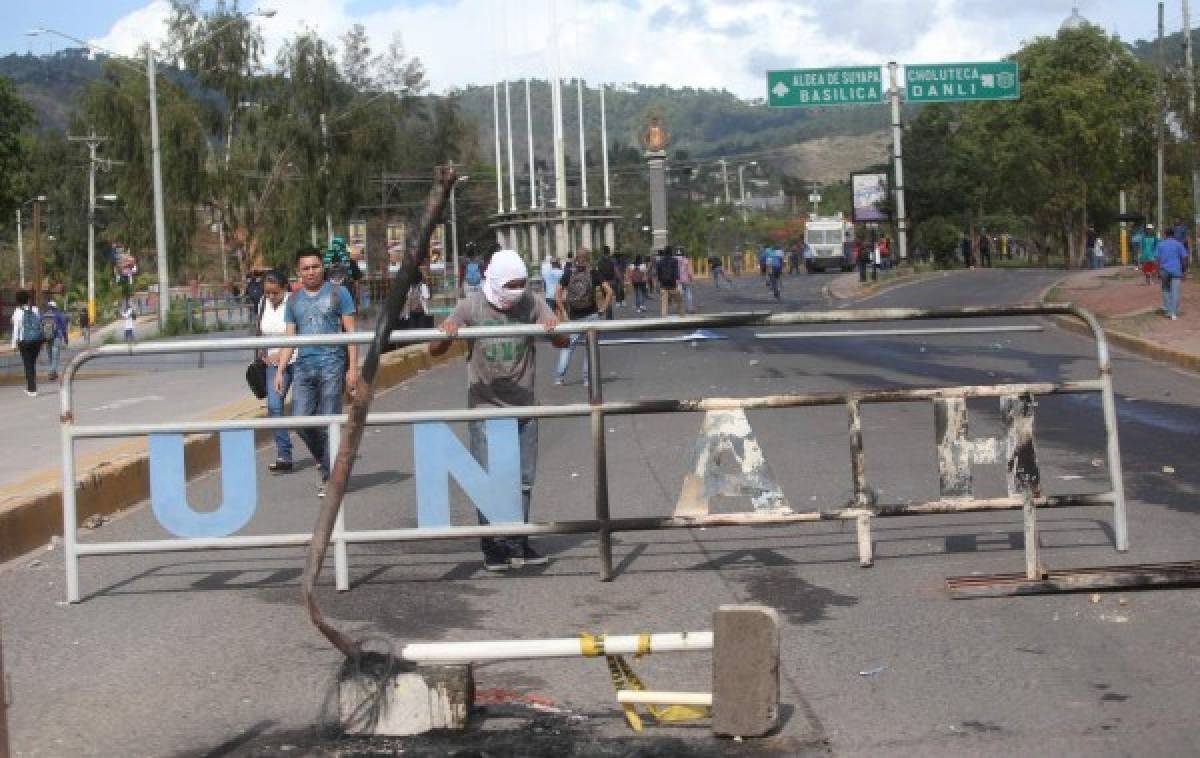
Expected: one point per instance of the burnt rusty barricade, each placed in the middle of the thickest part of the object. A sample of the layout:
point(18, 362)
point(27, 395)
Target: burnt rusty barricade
point(956, 450)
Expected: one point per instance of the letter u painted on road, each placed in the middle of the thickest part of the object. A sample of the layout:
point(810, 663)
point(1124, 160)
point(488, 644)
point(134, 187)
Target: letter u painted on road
point(496, 491)
point(168, 486)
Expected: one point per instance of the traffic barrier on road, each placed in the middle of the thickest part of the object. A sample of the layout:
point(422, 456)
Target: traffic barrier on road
point(431, 685)
point(494, 488)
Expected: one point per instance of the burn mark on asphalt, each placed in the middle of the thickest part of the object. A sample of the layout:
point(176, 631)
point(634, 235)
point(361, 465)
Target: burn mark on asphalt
point(797, 600)
point(1113, 697)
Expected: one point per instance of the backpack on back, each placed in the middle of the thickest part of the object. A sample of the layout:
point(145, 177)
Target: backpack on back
point(580, 296)
point(31, 328)
point(638, 275)
point(667, 270)
point(49, 327)
point(473, 275)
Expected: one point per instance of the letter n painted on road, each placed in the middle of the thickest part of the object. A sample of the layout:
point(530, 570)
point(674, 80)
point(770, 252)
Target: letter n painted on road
point(168, 486)
point(496, 491)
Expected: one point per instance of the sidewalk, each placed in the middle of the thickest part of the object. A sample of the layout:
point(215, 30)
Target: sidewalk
point(1131, 312)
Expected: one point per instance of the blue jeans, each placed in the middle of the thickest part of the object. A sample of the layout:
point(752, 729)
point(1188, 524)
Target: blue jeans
point(53, 353)
point(527, 432)
point(1171, 284)
point(318, 393)
point(283, 440)
point(687, 296)
point(564, 355)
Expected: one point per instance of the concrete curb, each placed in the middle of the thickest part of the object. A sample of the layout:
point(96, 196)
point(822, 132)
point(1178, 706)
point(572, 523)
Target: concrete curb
point(118, 477)
point(877, 289)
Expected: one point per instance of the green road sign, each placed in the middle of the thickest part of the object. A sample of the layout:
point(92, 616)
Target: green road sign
point(949, 82)
point(797, 88)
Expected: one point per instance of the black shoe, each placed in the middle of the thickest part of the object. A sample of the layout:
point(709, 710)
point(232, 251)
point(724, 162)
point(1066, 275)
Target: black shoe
point(496, 557)
point(524, 555)
point(280, 467)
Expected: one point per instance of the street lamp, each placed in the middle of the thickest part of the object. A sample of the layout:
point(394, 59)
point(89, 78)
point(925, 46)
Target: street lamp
point(742, 181)
point(21, 237)
point(160, 221)
point(454, 227)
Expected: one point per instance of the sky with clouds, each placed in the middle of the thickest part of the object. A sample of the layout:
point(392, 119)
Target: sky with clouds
point(725, 44)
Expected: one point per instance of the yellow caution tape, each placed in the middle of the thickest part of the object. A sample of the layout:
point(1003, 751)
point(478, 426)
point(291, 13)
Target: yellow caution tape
point(591, 645)
point(643, 646)
point(624, 678)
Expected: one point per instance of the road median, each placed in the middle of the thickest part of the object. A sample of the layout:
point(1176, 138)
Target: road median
point(118, 477)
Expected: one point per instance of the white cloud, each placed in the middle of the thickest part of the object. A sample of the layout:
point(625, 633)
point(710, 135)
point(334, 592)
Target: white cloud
point(700, 43)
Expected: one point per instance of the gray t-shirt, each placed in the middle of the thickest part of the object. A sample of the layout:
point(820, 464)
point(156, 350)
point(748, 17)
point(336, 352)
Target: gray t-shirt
point(500, 371)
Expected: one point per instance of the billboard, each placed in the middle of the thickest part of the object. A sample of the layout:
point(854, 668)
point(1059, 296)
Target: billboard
point(870, 198)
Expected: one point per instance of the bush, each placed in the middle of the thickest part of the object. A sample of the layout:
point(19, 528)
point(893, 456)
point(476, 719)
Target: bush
point(940, 237)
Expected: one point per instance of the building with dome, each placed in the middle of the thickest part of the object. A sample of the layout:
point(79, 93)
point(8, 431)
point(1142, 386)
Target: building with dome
point(1074, 21)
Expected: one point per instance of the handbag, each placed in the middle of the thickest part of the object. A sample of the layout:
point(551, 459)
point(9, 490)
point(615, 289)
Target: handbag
point(256, 372)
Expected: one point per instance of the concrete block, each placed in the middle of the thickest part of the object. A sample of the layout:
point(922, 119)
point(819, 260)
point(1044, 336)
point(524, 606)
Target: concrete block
point(403, 700)
point(745, 670)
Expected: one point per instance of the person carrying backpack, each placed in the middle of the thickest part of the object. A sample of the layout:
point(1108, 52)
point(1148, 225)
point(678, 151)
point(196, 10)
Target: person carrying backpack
point(54, 336)
point(27, 339)
point(775, 271)
point(472, 275)
point(666, 270)
point(577, 300)
point(638, 277)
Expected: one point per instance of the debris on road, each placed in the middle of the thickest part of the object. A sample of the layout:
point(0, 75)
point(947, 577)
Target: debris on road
point(876, 671)
point(1168, 469)
point(95, 521)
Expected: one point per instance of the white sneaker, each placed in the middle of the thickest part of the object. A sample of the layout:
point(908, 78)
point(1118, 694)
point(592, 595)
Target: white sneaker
point(1173, 318)
point(558, 382)
point(31, 394)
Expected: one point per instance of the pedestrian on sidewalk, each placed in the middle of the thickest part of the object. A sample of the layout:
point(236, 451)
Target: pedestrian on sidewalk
point(685, 279)
point(577, 300)
point(608, 269)
point(416, 305)
point(272, 323)
point(736, 264)
point(638, 276)
point(322, 372)
point(964, 247)
point(129, 313)
point(1099, 252)
point(27, 339)
point(1172, 268)
point(860, 258)
point(501, 374)
point(85, 326)
point(1148, 253)
point(54, 334)
point(985, 250)
point(666, 271)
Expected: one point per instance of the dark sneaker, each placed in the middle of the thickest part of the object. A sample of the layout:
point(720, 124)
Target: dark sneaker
point(496, 558)
point(525, 555)
point(280, 467)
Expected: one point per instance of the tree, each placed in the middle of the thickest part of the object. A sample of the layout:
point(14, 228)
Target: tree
point(15, 118)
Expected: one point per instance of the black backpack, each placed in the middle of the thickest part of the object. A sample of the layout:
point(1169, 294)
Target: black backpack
point(580, 295)
point(667, 271)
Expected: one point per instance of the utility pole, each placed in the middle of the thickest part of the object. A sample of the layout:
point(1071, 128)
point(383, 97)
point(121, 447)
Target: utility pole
point(898, 156)
point(1191, 89)
point(725, 180)
point(1160, 119)
point(512, 169)
point(94, 142)
point(499, 160)
point(160, 214)
point(20, 250)
point(37, 252)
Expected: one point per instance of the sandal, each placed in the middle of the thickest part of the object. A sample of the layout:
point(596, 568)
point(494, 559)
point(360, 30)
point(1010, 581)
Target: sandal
point(280, 467)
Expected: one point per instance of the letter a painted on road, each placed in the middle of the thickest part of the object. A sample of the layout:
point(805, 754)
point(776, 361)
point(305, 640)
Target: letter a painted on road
point(728, 433)
point(168, 486)
point(496, 491)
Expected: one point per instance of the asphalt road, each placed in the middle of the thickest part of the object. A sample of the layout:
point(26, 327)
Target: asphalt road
point(211, 653)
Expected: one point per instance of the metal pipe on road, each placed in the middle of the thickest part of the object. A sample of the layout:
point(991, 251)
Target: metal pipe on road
point(584, 646)
point(899, 332)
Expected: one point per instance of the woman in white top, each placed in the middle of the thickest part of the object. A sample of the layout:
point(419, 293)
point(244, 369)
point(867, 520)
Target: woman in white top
point(271, 324)
point(416, 307)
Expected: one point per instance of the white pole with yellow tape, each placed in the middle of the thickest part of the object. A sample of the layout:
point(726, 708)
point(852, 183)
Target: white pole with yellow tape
point(586, 646)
